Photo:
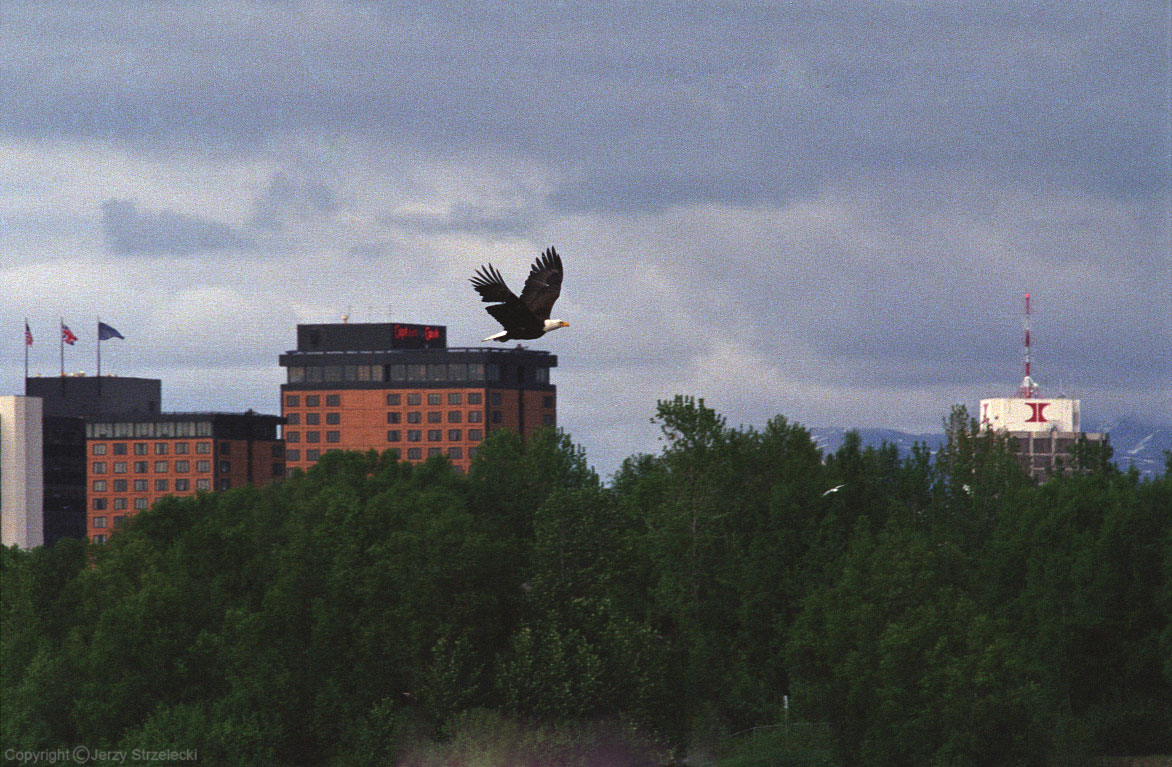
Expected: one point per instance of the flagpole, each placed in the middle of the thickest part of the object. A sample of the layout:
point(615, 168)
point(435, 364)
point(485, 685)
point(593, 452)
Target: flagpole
point(26, 345)
point(99, 355)
point(61, 342)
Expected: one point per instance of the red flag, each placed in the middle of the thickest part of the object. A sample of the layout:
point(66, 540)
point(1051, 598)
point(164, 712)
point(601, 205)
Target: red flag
point(28, 335)
point(67, 334)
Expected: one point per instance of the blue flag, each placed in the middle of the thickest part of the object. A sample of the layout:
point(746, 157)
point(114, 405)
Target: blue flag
point(105, 332)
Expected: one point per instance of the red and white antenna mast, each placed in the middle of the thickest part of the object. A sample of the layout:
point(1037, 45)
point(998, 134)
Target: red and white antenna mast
point(1029, 387)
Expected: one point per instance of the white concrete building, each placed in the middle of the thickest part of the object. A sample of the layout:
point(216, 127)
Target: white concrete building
point(22, 483)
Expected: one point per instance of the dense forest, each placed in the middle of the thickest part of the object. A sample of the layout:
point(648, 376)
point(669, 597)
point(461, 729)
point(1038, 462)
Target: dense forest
point(918, 609)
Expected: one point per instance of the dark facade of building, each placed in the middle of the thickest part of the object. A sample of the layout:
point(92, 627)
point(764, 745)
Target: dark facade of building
point(134, 460)
point(397, 386)
point(67, 401)
point(82, 396)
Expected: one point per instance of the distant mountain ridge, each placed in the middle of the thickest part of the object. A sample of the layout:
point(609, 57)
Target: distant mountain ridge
point(1134, 443)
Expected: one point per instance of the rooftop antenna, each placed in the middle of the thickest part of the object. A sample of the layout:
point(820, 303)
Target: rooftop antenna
point(1029, 387)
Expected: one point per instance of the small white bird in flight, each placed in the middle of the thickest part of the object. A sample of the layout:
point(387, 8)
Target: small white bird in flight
point(833, 490)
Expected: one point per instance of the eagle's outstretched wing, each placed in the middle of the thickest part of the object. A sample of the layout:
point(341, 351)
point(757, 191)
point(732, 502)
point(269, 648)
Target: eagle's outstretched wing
point(544, 284)
point(510, 311)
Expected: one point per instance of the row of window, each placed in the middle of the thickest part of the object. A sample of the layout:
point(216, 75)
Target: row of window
point(161, 448)
point(181, 486)
point(418, 373)
point(413, 453)
point(395, 399)
point(100, 522)
point(435, 435)
point(161, 467)
point(148, 429)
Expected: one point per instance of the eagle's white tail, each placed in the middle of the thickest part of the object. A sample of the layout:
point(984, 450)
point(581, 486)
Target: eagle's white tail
point(497, 336)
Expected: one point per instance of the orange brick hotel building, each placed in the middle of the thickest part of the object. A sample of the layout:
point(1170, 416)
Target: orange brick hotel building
point(396, 386)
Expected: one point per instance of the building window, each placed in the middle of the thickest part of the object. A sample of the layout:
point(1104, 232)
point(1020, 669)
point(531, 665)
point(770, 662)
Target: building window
point(454, 435)
point(120, 485)
point(203, 466)
point(293, 419)
point(495, 398)
point(475, 416)
point(313, 400)
point(100, 521)
point(160, 448)
point(160, 467)
point(120, 467)
point(471, 452)
point(99, 467)
point(141, 448)
point(475, 398)
point(414, 453)
point(312, 375)
point(414, 435)
point(140, 485)
point(140, 504)
point(333, 436)
point(435, 435)
point(455, 453)
point(225, 448)
point(99, 504)
point(435, 398)
point(293, 436)
point(292, 455)
point(455, 398)
point(120, 520)
point(547, 420)
point(140, 467)
point(292, 400)
point(296, 373)
point(99, 485)
point(414, 399)
point(415, 417)
point(547, 401)
point(203, 447)
point(98, 538)
point(393, 399)
point(331, 373)
point(435, 416)
point(417, 372)
point(278, 469)
point(393, 436)
point(182, 485)
point(496, 416)
point(119, 448)
point(225, 484)
point(119, 504)
point(313, 419)
point(541, 375)
point(455, 416)
point(312, 455)
point(225, 467)
point(182, 448)
point(161, 486)
point(475, 435)
point(278, 451)
point(333, 400)
point(397, 372)
point(434, 451)
point(99, 448)
point(393, 417)
point(313, 436)
point(203, 484)
point(182, 466)
point(333, 419)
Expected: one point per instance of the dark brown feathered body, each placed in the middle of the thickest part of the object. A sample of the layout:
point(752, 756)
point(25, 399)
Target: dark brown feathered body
point(526, 316)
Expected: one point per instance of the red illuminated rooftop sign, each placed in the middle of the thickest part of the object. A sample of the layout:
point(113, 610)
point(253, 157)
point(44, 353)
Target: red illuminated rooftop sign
point(418, 336)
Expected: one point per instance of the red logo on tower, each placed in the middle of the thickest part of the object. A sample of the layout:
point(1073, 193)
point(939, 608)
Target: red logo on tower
point(1036, 409)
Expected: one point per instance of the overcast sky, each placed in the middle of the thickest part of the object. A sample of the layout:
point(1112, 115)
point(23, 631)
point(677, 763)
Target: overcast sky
point(826, 210)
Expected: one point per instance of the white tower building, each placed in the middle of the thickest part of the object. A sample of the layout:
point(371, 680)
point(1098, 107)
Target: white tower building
point(22, 484)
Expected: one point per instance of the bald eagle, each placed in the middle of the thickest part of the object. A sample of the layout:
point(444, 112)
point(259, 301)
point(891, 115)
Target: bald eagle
point(527, 316)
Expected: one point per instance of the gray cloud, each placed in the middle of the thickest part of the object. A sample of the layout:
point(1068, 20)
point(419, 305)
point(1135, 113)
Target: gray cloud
point(129, 231)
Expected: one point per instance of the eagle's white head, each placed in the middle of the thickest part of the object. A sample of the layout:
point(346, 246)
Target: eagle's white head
point(554, 325)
